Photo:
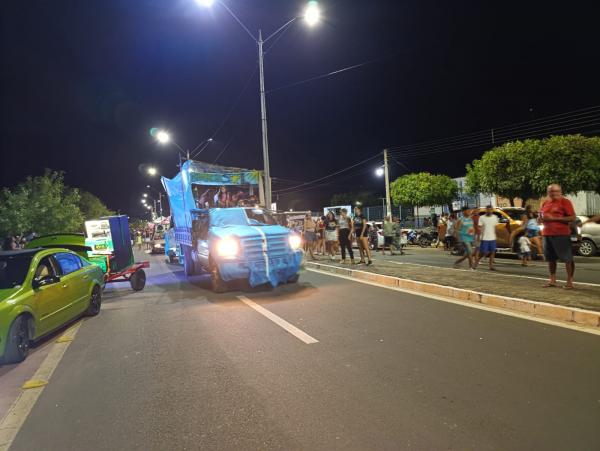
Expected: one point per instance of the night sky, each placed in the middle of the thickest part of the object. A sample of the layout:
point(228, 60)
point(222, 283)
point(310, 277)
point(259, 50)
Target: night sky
point(84, 81)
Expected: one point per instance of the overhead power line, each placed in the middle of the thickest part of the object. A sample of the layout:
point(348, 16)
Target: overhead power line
point(330, 175)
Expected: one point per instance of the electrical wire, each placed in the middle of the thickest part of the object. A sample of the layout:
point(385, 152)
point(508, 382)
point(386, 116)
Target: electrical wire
point(330, 74)
point(223, 150)
point(330, 175)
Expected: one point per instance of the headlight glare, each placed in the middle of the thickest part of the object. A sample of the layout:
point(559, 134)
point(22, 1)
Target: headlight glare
point(295, 241)
point(227, 247)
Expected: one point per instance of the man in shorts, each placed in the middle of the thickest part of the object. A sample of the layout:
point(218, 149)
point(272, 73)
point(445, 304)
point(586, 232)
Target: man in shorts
point(487, 232)
point(557, 214)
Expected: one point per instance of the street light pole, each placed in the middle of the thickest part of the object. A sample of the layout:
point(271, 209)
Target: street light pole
point(388, 199)
point(263, 116)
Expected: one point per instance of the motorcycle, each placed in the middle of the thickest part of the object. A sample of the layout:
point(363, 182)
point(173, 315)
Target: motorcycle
point(427, 238)
point(412, 237)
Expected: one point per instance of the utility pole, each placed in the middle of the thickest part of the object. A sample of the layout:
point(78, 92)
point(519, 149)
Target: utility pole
point(388, 199)
point(263, 116)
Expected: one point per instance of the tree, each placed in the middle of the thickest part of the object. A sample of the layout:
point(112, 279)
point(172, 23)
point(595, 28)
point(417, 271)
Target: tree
point(524, 169)
point(572, 161)
point(423, 188)
point(506, 171)
point(41, 204)
point(92, 207)
point(363, 197)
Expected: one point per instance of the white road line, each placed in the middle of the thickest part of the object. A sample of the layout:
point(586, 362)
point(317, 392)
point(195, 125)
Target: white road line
point(576, 327)
point(496, 273)
point(18, 412)
point(299, 334)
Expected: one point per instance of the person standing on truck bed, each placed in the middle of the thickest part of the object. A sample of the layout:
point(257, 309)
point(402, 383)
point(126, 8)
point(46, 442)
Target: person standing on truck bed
point(222, 198)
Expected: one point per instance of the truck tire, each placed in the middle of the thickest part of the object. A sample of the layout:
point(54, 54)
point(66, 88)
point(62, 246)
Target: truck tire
point(188, 262)
point(294, 278)
point(217, 283)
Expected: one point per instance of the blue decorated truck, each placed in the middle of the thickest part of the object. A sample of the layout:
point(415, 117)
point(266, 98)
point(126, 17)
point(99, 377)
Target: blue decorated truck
point(219, 228)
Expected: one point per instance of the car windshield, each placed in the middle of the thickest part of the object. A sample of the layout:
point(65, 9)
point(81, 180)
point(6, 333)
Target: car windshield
point(13, 270)
point(257, 216)
point(515, 213)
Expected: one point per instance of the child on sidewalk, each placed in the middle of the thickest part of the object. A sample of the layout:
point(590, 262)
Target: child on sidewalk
point(525, 249)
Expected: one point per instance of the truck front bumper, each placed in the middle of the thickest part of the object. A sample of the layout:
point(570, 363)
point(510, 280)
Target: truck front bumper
point(273, 270)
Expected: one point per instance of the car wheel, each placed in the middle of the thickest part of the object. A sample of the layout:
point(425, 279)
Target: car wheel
point(217, 283)
point(138, 280)
point(18, 340)
point(95, 302)
point(587, 248)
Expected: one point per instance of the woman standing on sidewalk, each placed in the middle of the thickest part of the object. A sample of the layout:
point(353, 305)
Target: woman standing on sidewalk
point(331, 237)
point(310, 235)
point(361, 230)
point(345, 227)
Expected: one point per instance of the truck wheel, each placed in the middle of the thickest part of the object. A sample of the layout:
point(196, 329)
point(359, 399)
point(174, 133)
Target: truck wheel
point(294, 278)
point(18, 340)
point(138, 280)
point(217, 283)
point(188, 263)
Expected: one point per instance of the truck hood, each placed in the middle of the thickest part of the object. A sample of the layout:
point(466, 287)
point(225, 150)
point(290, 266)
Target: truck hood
point(7, 293)
point(248, 231)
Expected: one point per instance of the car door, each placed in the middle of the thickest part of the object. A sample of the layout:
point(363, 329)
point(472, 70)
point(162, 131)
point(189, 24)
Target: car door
point(76, 280)
point(502, 230)
point(48, 295)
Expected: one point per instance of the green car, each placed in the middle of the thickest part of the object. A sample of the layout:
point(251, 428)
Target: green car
point(40, 291)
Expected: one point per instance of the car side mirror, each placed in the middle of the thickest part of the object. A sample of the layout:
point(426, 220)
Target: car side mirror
point(44, 281)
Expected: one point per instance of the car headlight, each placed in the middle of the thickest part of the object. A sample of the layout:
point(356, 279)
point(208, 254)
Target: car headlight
point(295, 241)
point(157, 245)
point(227, 247)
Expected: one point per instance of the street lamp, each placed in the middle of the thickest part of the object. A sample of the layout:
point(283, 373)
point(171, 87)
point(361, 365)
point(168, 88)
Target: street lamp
point(312, 16)
point(384, 172)
point(163, 137)
point(152, 171)
point(312, 13)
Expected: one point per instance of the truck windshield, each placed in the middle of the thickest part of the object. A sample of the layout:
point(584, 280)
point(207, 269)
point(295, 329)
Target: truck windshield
point(13, 270)
point(257, 216)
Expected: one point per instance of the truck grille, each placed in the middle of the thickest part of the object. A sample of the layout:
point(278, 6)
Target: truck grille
point(277, 246)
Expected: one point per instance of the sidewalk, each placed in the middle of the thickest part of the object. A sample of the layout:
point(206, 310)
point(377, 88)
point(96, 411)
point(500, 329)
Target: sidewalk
point(584, 296)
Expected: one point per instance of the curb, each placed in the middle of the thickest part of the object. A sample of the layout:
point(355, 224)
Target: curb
point(574, 315)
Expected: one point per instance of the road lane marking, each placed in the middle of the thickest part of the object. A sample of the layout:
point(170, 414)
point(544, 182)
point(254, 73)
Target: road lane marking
point(19, 411)
point(488, 272)
point(537, 319)
point(299, 334)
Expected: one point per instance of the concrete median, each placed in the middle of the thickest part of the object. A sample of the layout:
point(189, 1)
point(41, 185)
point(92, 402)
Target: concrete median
point(551, 303)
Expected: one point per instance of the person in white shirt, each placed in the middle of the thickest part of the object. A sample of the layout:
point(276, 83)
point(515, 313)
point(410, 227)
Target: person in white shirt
point(487, 228)
point(525, 250)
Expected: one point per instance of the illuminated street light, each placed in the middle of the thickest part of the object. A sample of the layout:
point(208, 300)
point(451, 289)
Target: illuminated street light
point(145, 194)
point(152, 171)
point(312, 16)
point(312, 13)
point(143, 201)
point(163, 137)
point(379, 172)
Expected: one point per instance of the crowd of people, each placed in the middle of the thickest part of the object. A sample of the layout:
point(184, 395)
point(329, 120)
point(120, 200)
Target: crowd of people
point(330, 235)
point(470, 234)
point(548, 230)
point(221, 197)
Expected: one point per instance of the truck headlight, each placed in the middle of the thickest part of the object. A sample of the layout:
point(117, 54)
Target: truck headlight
point(227, 247)
point(295, 241)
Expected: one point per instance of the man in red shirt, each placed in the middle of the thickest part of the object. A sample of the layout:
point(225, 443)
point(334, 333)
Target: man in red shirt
point(557, 214)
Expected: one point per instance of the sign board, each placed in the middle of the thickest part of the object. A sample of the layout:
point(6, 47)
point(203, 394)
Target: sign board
point(98, 237)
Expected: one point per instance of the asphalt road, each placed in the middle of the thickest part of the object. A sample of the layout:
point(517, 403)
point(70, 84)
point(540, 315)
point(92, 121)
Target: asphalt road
point(587, 269)
point(177, 367)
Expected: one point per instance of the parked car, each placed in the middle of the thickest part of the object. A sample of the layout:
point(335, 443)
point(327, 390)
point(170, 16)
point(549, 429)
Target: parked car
point(40, 291)
point(590, 238)
point(158, 247)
